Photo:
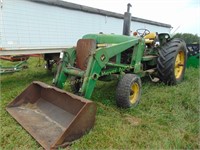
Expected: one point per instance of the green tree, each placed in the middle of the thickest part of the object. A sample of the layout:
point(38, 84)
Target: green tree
point(188, 37)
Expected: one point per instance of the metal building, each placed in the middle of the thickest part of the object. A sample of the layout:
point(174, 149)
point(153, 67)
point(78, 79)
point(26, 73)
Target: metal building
point(47, 26)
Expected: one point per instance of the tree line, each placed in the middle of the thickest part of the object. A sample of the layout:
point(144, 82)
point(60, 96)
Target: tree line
point(188, 38)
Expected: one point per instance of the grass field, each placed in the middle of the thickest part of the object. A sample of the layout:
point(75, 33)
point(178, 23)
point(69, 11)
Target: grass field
point(168, 117)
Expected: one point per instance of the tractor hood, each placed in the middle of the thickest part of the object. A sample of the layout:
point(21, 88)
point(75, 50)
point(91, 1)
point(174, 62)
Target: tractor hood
point(109, 38)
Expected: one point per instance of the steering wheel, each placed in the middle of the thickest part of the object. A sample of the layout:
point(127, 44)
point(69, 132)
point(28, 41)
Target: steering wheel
point(142, 32)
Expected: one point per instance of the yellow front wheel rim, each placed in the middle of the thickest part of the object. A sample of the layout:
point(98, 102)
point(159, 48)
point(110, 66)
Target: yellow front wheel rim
point(179, 64)
point(134, 93)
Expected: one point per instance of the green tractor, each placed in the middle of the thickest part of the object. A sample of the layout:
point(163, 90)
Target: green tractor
point(104, 57)
point(55, 117)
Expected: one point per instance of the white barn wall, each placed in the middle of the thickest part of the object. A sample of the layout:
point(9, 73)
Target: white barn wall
point(26, 24)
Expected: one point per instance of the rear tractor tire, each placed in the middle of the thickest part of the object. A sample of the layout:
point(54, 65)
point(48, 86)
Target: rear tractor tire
point(128, 91)
point(172, 62)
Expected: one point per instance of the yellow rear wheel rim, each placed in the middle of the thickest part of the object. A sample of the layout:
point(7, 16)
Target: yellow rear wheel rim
point(179, 64)
point(134, 92)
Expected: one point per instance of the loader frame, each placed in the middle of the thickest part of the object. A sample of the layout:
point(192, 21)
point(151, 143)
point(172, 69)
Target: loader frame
point(108, 46)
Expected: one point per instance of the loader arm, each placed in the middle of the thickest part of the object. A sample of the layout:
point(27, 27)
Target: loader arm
point(99, 59)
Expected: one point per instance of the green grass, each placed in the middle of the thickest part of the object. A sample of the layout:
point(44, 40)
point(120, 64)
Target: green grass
point(166, 118)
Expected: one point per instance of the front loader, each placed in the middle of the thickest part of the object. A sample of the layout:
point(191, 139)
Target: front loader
point(55, 117)
point(103, 57)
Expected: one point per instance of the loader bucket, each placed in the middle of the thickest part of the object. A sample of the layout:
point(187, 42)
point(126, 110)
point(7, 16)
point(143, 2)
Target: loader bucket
point(52, 116)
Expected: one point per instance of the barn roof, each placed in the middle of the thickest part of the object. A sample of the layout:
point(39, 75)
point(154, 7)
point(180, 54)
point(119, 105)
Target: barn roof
point(83, 8)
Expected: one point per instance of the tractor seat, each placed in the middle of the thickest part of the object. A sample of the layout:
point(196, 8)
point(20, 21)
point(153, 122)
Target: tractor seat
point(150, 38)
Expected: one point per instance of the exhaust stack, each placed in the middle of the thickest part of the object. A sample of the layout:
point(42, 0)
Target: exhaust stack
point(127, 21)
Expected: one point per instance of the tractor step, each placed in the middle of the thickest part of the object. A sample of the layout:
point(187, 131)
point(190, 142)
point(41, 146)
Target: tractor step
point(150, 71)
point(155, 79)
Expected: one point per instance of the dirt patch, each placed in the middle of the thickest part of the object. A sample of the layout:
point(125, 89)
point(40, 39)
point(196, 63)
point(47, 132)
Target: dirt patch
point(132, 120)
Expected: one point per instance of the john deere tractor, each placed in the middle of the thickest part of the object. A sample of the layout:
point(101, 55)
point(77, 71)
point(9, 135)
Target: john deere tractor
point(55, 117)
point(103, 57)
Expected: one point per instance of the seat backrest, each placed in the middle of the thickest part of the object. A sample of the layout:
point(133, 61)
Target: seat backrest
point(149, 38)
point(83, 51)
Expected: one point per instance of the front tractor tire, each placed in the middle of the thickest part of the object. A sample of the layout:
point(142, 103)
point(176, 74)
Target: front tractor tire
point(172, 62)
point(128, 91)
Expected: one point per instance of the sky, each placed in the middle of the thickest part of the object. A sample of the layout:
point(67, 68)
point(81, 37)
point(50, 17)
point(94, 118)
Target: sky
point(182, 15)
